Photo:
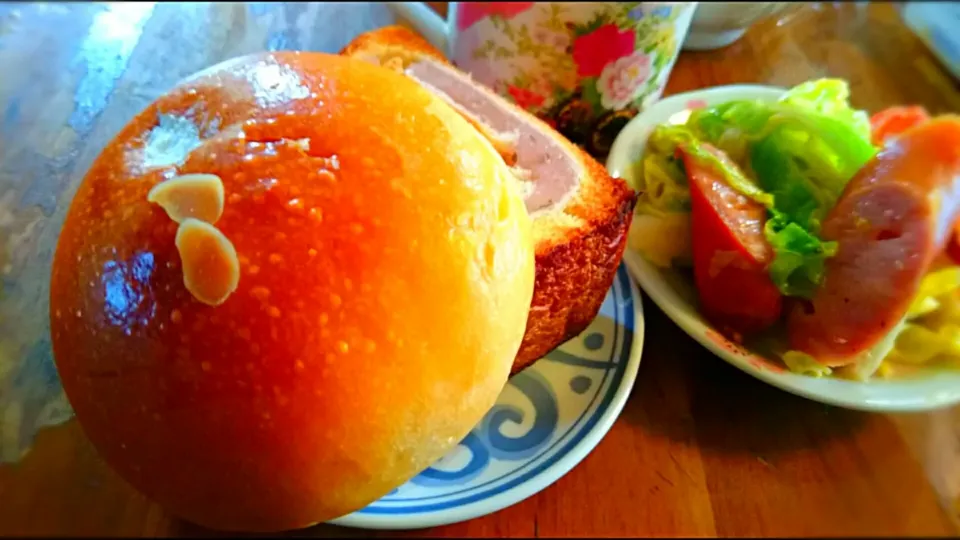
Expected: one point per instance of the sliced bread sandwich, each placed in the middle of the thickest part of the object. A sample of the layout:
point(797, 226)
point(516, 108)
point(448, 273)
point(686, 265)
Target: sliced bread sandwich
point(581, 215)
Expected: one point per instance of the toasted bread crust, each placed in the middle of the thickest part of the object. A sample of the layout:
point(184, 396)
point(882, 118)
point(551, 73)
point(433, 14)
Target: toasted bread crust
point(574, 266)
point(392, 42)
point(576, 269)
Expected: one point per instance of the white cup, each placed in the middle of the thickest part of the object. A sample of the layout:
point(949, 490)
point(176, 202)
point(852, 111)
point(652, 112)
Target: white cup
point(718, 24)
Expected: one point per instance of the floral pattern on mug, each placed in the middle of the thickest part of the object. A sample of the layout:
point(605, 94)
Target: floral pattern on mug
point(622, 79)
point(525, 99)
point(585, 67)
point(551, 38)
point(468, 13)
point(595, 50)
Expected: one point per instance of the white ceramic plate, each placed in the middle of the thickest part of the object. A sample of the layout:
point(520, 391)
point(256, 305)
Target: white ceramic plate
point(676, 295)
point(546, 420)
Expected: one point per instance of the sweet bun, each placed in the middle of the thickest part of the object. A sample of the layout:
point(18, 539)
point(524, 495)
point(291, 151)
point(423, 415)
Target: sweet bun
point(324, 313)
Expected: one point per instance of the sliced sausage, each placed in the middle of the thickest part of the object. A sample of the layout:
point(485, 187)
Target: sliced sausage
point(891, 221)
point(730, 252)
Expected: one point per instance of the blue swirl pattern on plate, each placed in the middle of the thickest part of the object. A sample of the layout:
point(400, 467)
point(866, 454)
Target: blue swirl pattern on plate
point(540, 417)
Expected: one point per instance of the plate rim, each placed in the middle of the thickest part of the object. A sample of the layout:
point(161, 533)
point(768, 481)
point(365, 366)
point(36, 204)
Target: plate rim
point(644, 273)
point(548, 476)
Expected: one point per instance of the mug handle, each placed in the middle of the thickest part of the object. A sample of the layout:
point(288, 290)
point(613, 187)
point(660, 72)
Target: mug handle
point(426, 21)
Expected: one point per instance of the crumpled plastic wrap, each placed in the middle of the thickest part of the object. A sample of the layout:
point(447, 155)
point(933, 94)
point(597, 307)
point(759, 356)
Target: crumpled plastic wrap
point(81, 72)
point(50, 131)
point(30, 393)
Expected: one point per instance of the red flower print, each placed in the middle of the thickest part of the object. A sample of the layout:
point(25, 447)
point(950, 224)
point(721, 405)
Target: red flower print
point(525, 99)
point(593, 51)
point(694, 104)
point(470, 12)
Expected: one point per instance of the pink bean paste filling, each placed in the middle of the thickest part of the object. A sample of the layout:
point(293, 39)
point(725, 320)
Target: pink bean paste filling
point(553, 172)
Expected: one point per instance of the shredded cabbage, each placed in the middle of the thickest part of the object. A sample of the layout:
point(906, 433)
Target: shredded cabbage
point(829, 97)
point(804, 364)
point(931, 331)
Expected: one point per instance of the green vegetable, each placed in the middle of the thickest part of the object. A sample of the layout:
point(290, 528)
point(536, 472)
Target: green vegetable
point(664, 189)
point(829, 97)
point(661, 229)
point(799, 256)
point(825, 151)
point(666, 139)
point(804, 364)
point(663, 182)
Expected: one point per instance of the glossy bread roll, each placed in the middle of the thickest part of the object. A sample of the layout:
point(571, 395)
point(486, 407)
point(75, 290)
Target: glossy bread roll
point(282, 291)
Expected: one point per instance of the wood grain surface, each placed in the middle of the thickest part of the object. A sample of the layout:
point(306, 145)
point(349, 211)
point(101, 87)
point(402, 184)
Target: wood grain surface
point(700, 449)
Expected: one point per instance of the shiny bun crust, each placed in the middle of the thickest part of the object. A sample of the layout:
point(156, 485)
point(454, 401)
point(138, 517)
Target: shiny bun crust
point(385, 274)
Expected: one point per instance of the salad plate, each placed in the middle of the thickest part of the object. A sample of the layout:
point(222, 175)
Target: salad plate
point(674, 291)
point(546, 420)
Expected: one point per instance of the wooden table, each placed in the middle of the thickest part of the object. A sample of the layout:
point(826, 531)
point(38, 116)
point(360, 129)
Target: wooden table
point(700, 449)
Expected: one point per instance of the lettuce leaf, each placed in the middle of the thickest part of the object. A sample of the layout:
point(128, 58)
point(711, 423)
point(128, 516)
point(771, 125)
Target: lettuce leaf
point(804, 364)
point(829, 97)
point(662, 183)
point(666, 138)
point(825, 152)
point(661, 226)
point(799, 256)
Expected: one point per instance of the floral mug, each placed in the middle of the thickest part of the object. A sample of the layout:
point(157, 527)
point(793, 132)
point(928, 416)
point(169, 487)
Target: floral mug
point(585, 68)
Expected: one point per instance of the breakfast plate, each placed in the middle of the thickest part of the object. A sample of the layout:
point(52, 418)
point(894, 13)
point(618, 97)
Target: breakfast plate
point(674, 292)
point(546, 420)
